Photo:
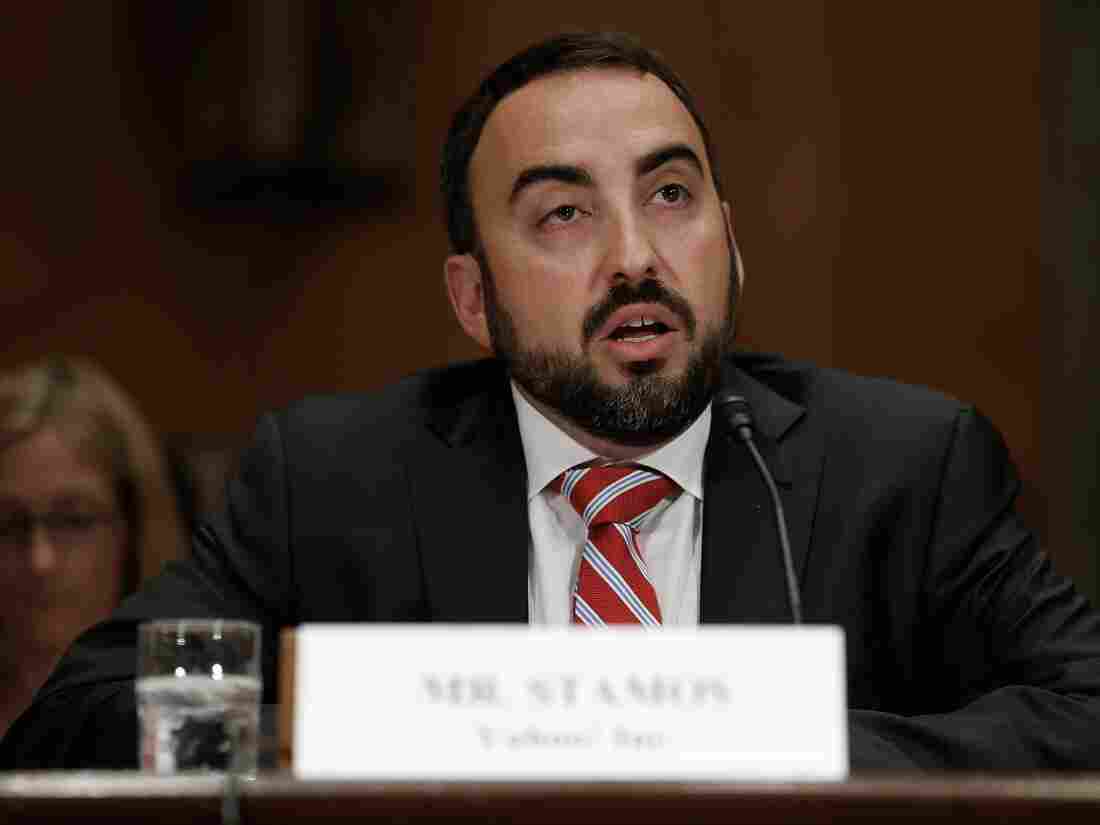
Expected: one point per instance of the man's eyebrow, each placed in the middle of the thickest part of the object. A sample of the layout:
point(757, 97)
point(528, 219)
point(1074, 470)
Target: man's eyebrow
point(558, 172)
point(659, 157)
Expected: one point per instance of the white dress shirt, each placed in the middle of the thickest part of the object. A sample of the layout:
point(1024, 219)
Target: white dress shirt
point(670, 539)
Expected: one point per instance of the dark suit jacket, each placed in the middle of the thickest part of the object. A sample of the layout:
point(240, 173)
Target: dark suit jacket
point(964, 648)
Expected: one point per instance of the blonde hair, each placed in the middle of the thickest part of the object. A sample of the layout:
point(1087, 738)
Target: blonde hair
point(98, 420)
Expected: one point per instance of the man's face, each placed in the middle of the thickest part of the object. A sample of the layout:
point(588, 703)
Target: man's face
point(610, 252)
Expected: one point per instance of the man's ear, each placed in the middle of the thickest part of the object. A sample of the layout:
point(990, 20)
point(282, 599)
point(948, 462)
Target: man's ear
point(737, 262)
point(467, 293)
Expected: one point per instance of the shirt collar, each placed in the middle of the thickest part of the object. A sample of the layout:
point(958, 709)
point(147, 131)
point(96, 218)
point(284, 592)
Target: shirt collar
point(549, 452)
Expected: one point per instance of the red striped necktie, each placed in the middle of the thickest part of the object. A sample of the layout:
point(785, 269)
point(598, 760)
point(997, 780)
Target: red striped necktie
point(613, 585)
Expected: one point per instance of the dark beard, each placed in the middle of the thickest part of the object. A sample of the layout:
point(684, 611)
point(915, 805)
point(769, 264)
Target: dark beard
point(649, 408)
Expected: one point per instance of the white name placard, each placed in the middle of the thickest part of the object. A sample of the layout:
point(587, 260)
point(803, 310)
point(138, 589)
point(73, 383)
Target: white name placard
point(466, 702)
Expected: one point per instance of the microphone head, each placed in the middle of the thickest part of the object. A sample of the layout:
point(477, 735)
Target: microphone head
point(734, 408)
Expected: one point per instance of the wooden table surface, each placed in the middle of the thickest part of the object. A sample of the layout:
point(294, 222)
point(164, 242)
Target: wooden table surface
point(278, 797)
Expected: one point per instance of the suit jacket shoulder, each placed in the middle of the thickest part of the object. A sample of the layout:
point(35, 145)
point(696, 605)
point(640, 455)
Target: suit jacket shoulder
point(842, 396)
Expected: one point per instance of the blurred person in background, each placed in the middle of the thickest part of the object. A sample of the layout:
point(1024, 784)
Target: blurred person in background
point(88, 512)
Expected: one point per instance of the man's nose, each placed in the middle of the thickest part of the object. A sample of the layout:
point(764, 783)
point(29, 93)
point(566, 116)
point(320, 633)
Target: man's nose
point(42, 553)
point(631, 254)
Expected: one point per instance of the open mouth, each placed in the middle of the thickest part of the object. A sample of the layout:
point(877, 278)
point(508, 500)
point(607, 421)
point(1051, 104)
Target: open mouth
point(641, 332)
point(637, 330)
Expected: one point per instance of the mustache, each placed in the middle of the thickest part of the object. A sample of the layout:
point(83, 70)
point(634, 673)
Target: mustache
point(649, 291)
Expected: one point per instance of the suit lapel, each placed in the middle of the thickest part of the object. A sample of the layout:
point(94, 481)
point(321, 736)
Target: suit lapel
point(470, 507)
point(743, 578)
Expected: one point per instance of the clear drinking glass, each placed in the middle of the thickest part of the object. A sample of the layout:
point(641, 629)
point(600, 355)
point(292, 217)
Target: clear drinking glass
point(198, 695)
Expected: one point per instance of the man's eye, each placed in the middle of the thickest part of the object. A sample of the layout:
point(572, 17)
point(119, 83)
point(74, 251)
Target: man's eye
point(673, 193)
point(563, 214)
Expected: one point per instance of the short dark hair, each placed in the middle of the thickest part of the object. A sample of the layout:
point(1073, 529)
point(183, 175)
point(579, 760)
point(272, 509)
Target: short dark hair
point(562, 53)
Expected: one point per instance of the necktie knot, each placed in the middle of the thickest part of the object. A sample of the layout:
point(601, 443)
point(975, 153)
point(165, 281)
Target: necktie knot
point(614, 494)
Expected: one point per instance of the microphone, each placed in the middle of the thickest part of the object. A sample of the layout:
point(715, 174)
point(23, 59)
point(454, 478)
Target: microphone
point(738, 414)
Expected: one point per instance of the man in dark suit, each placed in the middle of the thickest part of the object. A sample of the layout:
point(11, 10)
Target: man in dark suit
point(594, 255)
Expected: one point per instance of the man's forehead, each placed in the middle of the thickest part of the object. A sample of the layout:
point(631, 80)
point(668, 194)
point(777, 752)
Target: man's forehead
point(571, 117)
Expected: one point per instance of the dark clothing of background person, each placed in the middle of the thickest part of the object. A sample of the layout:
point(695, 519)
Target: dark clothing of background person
point(964, 648)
